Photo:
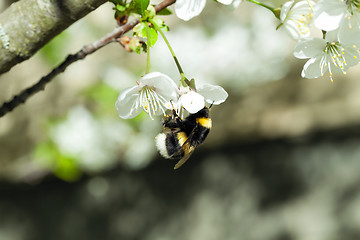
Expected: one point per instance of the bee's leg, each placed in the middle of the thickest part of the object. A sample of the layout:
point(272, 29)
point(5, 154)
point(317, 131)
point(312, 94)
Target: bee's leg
point(175, 115)
point(211, 104)
point(178, 119)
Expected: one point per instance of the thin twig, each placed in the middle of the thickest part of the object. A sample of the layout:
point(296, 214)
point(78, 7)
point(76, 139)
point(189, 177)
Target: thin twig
point(86, 50)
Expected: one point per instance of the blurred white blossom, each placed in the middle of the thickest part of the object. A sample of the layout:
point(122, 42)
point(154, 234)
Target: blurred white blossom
point(233, 55)
point(93, 143)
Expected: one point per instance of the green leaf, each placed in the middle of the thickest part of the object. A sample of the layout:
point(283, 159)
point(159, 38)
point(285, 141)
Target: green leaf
point(66, 169)
point(53, 51)
point(160, 23)
point(164, 12)
point(141, 6)
point(140, 30)
point(150, 12)
point(102, 96)
point(153, 36)
point(120, 8)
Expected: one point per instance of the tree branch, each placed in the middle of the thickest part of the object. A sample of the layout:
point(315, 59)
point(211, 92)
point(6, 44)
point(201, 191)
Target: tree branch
point(27, 25)
point(86, 50)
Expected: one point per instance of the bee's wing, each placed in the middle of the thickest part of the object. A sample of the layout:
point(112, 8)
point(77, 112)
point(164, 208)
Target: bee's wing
point(189, 150)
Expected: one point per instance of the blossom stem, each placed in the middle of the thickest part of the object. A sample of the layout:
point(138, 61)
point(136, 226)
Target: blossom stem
point(147, 49)
point(275, 11)
point(171, 50)
point(324, 34)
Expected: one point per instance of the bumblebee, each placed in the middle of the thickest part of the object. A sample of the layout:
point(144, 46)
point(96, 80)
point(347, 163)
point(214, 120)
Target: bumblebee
point(180, 137)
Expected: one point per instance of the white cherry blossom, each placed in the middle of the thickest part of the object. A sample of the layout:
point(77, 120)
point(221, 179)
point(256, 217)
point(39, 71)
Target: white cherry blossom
point(194, 101)
point(296, 18)
point(153, 94)
point(332, 14)
point(187, 9)
point(326, 54)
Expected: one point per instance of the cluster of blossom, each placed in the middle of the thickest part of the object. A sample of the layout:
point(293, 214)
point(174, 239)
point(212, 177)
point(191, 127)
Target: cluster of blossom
point(155, 92)
point(339, 21)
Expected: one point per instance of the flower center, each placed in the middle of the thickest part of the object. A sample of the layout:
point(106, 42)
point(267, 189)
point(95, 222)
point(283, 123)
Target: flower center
point(150, 101)
point(335, 54)
point(300, 18)
point(302, 22)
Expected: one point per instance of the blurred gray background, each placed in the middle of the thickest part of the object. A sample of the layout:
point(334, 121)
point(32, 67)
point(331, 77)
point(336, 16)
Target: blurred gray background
point(281, 162)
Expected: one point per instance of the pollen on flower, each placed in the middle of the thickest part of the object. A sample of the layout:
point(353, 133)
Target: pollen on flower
point(299, 19)
point(150, 101)
point(335, 55)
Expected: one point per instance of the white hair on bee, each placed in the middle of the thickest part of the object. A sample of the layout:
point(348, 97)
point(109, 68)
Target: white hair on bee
point(160, 141)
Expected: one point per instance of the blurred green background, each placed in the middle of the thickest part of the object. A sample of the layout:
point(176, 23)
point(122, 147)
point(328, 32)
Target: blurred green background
point(281, 162)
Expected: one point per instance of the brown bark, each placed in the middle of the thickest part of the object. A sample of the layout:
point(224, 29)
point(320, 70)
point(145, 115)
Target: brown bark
point(28, 25)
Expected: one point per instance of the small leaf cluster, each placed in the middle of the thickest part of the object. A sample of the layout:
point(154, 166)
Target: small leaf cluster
point(124, 8)
point(149, 26)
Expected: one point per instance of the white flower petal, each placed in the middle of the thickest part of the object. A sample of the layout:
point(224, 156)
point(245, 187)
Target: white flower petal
point(334, 69)
point(293, 30)
point(351, 56)
point(162, 83)
point(328, 14)
point(125, 104)
point(213, 94)
point(297, 18)
point(225, 2)
point(285, 9)
point(312, 68)
point(303, 6)
point(332, 36)
point(192, 102)
point(187, 9)
point(309, 48)
point(349, 30)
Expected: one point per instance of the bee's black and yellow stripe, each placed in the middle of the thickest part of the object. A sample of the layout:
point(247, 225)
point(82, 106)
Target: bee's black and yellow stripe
point(180, 137)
